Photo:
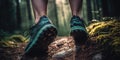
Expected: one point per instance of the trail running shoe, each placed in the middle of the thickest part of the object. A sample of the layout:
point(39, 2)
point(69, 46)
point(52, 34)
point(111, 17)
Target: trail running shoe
point(78, 30)
point(42, 34)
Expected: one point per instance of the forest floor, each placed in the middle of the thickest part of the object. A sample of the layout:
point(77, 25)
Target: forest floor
point(103, 44)
point(62, 48)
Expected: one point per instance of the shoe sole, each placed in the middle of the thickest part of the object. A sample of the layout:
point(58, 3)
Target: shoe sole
point(44, 37)
point(79, 36)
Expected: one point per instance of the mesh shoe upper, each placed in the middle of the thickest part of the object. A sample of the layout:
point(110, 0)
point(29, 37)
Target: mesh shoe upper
point(42, 22)
point(78, 30)
point(77, 23)
point(37, 30)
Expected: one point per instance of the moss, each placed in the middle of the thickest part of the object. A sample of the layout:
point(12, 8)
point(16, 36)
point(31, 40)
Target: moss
point(18, 38)
point(107, 33)
point(101, 28)
point(103, 39)
point(104, 27)
point(116, 45)
point(92, 28)
point(8, 44)
point(12, 41)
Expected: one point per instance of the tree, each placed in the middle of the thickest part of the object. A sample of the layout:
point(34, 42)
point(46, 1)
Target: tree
point(110, 8)
point(15, 15)
point(8, 15)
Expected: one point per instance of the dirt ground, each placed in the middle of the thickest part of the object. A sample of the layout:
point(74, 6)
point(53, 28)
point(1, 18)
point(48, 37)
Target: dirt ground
point(103, 44)
point(62, 48)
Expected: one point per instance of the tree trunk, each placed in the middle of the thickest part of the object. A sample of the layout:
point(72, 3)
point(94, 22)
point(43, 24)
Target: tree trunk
point(18, 15)
point(64, 16)
point(30, 16)
point(8, 15)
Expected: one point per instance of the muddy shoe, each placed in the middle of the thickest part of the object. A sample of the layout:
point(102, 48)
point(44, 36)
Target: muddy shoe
point(42, 34)
point(78, 30)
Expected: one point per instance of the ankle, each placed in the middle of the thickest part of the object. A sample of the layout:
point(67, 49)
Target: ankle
point(37, 19)
point(75, 16)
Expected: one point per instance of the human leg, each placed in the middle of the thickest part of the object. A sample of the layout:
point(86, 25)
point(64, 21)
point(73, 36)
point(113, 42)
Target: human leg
point(76, 6)
point(78, 29)
point(39, 8)
point(42, 33)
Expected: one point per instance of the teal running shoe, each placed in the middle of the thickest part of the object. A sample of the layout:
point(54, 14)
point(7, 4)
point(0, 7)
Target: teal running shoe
point(78, 30)
point(41, 35)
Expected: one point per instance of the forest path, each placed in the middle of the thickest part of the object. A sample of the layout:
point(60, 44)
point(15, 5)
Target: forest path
point(62, 48)
point(103, 44)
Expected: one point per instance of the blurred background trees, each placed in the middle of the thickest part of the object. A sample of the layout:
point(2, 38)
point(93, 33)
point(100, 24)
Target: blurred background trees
point(17, 15)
